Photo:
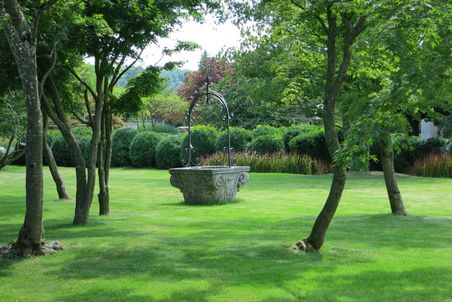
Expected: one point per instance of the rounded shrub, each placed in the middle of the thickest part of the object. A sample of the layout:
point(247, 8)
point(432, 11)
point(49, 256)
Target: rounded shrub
point(121, 141)
point(61, 152)
point(433, 145)
point(449, 146)
point(203, 139)
point(81, 132)
point(311, 143)
point(167, 154)
point(52, 135)
point(142, 149)
point(261, 130)
point(405, 153)
point(85, 145)
point(293, 131)
point(266, 144)
point(239, 139)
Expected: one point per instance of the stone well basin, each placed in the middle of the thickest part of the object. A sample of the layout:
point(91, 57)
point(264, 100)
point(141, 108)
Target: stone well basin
point(209, 184)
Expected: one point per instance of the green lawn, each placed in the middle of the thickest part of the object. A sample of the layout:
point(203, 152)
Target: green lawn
point(154, 248)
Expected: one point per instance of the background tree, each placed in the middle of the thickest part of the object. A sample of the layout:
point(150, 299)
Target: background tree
point(165, 107)
point(113, 35)
point(12, 126)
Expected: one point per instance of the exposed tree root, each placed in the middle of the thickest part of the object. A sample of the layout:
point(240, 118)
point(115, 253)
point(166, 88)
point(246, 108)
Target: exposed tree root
point(304, 246)
point(11, 251)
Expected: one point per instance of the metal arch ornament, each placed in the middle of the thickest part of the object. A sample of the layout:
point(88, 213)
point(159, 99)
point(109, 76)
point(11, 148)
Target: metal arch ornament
point(208, 93)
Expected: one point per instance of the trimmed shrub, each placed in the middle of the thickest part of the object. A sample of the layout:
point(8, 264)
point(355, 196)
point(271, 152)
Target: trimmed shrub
point(449, 146)
point(142, 149)
point(167, 154)
point(239, 139)
point(165, 128)
point(433, 145)
point(203, 139)
point(52, 135)
point(311, 143)
point(81, 132)
point(85, 145)
point(266, 144)
point(61, 152)
point(121, 141)
point(293, 131)
point(262, 130)
point(406, 151)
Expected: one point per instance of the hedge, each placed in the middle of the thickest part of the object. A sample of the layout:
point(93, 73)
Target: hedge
point(266, 144)
point(310, 143)
point(121, 141)
point(142, 149)
point(168, 151)
point(240, 138)
point(262, 130)
point(203, 139)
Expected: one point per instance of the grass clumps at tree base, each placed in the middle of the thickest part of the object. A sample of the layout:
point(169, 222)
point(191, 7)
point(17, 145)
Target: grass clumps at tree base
point(156, 249)
point(12, 252)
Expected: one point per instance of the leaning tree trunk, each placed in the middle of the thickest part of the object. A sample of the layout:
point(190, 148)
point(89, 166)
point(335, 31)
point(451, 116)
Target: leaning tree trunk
point(387, 163)
point(22, 41)
point(58, 116)
point(334, 80)
point(59, 182)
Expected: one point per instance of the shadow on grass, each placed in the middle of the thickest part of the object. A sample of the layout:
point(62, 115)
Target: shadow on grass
point(184, 204)
point(251, 252)
point(126, 295)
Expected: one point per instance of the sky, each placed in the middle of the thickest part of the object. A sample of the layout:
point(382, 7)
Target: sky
point(210, 36)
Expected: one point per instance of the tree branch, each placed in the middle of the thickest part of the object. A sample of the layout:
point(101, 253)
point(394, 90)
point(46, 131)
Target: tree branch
point(47, 5)
point(117, 78)
point(350, 36)
point(90, 118)
point(86, 85)
point(53, 54)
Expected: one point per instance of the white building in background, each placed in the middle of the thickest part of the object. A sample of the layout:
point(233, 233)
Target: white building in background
point(428, 129)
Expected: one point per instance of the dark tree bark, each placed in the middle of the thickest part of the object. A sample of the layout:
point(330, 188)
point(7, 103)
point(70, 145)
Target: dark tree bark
point(82, 209)
point(387, 163)
point(58, 116)
point(22, 40)
point(59, 182)
point(334, 80)
point(105, 162)
point(143, 120)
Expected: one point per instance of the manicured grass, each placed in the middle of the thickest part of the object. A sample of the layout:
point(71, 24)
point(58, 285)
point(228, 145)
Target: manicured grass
point(154, 248)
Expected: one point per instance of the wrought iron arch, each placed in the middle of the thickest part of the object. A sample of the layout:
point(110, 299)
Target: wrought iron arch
point(208, 93)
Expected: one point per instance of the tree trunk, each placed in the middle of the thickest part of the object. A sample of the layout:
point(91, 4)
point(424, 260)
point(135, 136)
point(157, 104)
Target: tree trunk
point(59, 182)
point(102, 196)
point(22, 41)
point(82, 209)
point(333, 83)
point(58, 116)
point(143, 120)
point(105, 163)
point(387, 163)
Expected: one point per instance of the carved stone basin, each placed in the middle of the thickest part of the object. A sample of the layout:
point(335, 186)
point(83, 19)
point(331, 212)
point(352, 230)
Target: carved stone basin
point(209, 184)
